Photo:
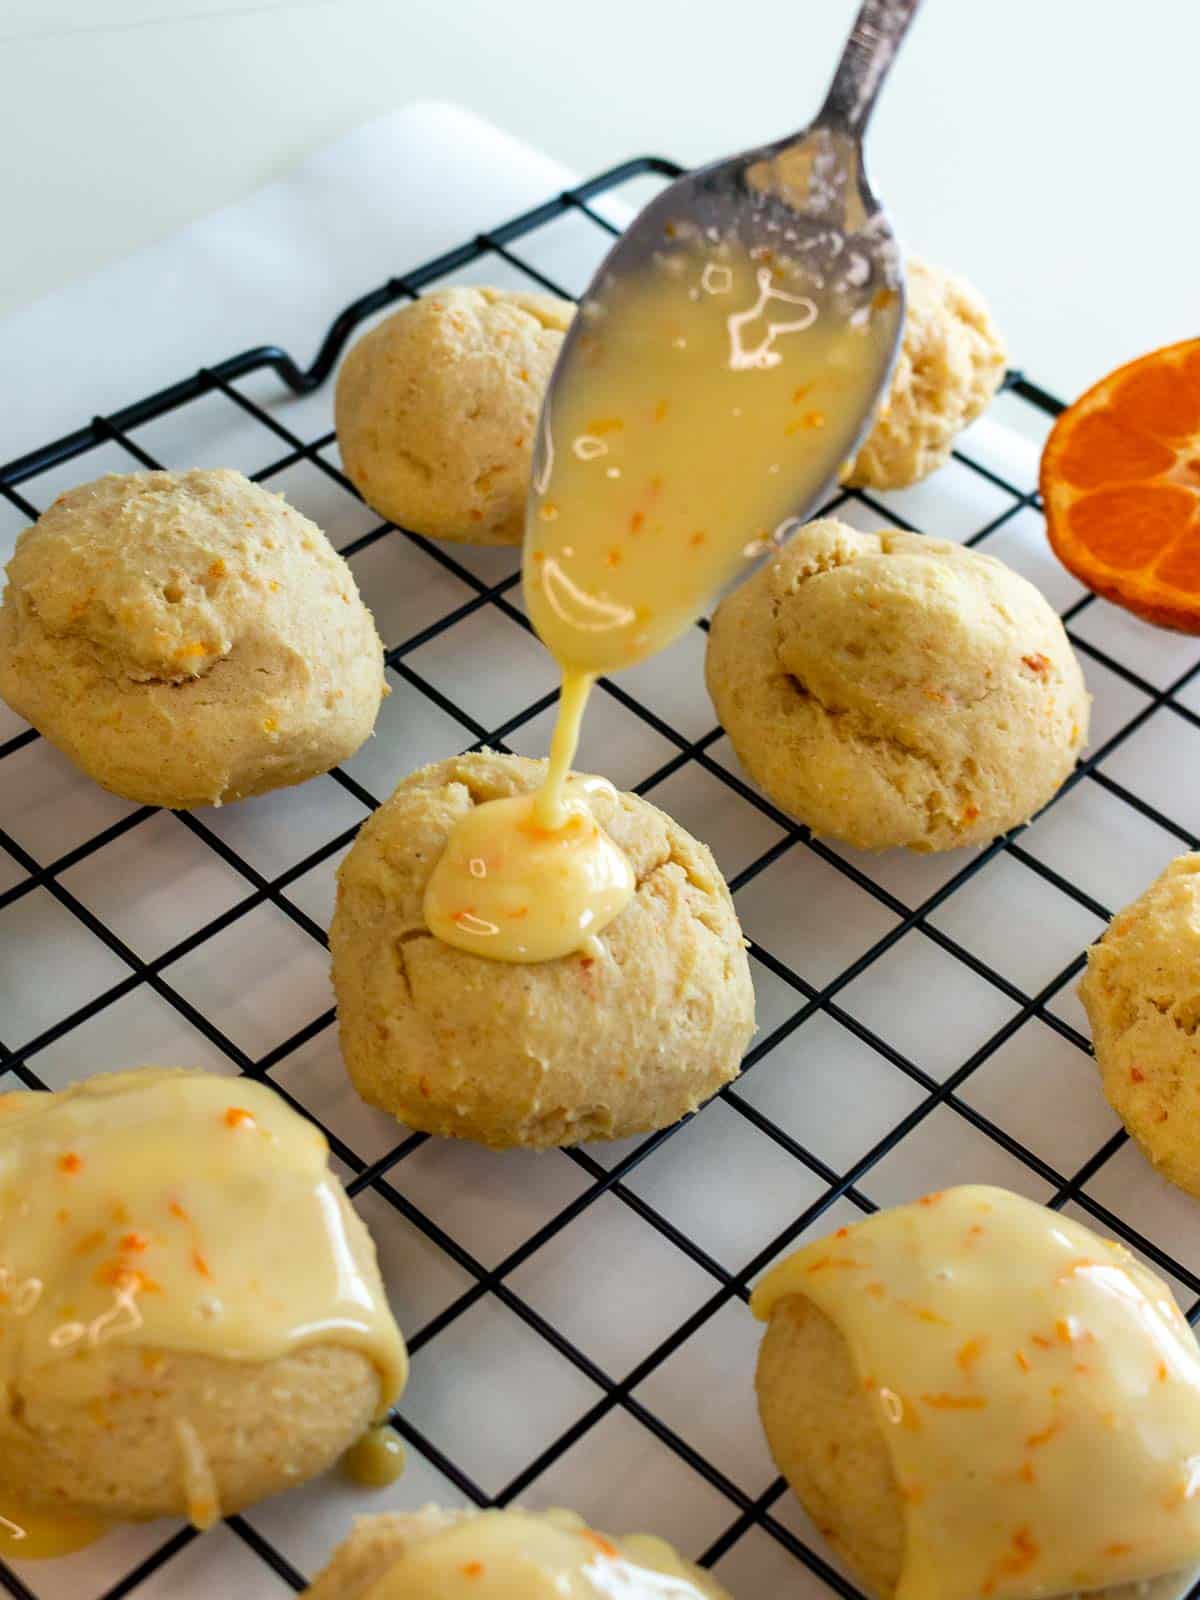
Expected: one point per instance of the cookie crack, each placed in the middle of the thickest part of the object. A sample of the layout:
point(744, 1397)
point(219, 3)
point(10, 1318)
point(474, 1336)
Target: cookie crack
point(839, 718)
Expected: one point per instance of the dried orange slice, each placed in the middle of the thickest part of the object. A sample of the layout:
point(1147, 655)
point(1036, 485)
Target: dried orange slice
point(1120, 482)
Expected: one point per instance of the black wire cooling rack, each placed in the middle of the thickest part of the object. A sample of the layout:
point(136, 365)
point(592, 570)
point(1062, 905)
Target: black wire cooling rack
point(1152, 693)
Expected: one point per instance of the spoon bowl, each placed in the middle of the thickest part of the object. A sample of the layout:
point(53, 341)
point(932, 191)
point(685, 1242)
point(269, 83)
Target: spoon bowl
point(804, 202)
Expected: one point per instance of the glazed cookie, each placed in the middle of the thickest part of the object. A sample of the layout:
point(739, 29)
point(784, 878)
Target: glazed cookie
point(950, 365)
point(192, 1313)
point(436, 410)
point(539, 1555)
point(889, 689)
point(187, 639)
point(972, 1389)
point(1141, 991)
point(585, 1047)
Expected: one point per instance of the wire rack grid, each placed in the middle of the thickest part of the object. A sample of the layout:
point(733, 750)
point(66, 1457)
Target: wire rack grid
point(577, 1320)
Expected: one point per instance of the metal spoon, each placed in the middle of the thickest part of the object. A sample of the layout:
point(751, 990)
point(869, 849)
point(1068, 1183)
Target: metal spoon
point(805, 197)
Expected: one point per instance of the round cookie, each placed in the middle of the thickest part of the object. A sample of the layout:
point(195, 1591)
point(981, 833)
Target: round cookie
point(187, 638)
point(550, 1555)
point(586, 1047)
point(156, 1198)
point(950, 364)
point(889, 689)
point(437, 406)
point(1141, 992)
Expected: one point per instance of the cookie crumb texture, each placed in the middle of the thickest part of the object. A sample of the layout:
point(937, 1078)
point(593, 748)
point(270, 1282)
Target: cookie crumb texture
point(824, 1437)
point(950, 365)
point(536, 1055)
point(889, 689)
point(188, 638)
point(1141, 991)
point(167, 1419)
point(436, 410)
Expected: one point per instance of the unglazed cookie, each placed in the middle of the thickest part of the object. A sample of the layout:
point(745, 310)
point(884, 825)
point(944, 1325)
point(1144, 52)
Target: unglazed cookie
point(192, 1313)
point(950, 365)
point(436, 410)
point(187, 638)
point(534, 1555)
point(1141, 991)
point(889, 689)
point(589, 1046)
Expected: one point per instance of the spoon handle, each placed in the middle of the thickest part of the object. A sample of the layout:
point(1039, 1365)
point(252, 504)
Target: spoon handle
point(868, 55)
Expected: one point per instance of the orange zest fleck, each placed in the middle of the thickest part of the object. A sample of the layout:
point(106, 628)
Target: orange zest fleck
point(954, 1402)
point(932, 1198)
point(1136, 1075)
point(605, 1546)
point(825, 1263)
point(1118, 1549)
point(1026, 1472)
point(70, 1163)
point(201, 1265)
point(239, 1117)
point(133, 1243)
point(1037, 662)
point(970, 1352)
point(1044, 1435)
point(89, 1242)
point(1041, 1341)
point(636, 521)
point(1162, 1372)
point(697, 539)
point(923, 1314)
point(472, 1569)
point(613, 558)
point(177, 1211)
point(603, 425)
point(119, 1275)
point(1022, 1360)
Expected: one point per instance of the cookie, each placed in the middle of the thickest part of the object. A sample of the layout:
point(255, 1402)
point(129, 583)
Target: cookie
point(437, 406)
point(1141, 992)
point(888, 689)
point(187, 639)
point(950, 364)
point(193, 1313)
point(420, 1555)
point(585, 1047)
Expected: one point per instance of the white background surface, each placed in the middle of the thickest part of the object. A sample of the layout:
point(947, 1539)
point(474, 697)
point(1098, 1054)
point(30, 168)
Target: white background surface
point(1045, 147)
